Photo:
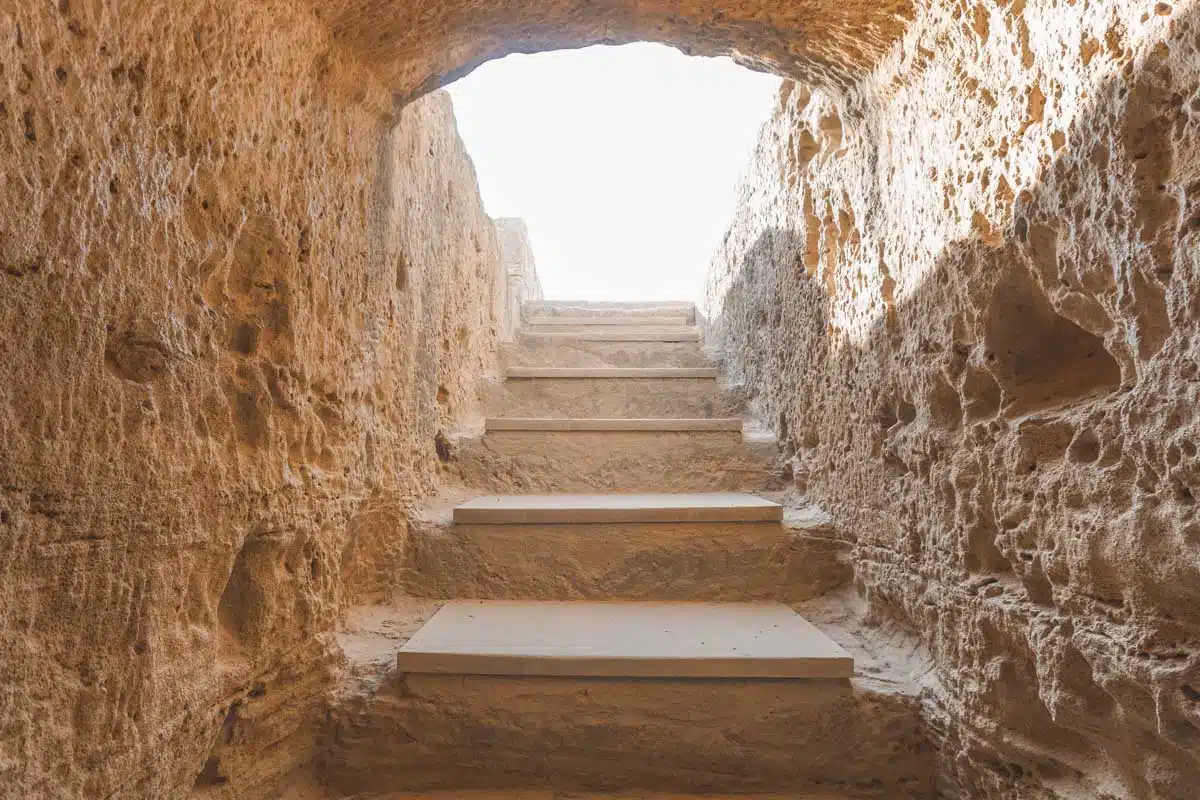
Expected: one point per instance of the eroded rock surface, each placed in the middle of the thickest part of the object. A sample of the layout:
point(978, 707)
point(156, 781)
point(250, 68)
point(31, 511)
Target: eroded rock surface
point(240, 296)
point(965, 295)
point(419, 46)
point(245, 298)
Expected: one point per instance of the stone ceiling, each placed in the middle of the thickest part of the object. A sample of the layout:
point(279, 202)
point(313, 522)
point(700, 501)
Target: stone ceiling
point(418, 46)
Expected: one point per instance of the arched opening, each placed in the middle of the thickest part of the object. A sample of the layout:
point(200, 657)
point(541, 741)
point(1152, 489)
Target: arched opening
point(622, 162)
point(417, 48)
point(246, 282)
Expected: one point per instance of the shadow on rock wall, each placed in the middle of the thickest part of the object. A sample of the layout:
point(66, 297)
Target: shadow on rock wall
point(1013, 447)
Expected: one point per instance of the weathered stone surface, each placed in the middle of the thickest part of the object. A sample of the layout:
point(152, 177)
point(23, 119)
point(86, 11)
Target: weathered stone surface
point(245, 298)
point(521, 283)
point(422, 731)
point(533, 462)
point(637, 561)
point(965, 296)
point(679, 398)
point(240, 295)
point(419, 46)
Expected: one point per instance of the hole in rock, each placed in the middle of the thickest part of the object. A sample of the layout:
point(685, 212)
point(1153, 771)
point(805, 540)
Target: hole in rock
point(1085, 448)
point(242, 610)
point(210, 774)
point(441, 446)
point(1041, 359)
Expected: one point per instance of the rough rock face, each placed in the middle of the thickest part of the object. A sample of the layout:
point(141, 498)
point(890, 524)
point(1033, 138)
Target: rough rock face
point(418, 46)
point(521, 281)
point(246, 295)
point(965, 294)
point(241, 296)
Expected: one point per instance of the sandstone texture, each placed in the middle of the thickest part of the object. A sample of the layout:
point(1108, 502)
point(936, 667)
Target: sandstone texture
point(418, 46)
point(964, 295)
point(248, 292)
point(493, 732)
point(635, 561)
point(244, 297)
point(521, 282)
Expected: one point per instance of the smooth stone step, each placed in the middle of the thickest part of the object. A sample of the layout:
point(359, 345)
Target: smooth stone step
point(388, 731)
point(550, 327)
point(559, 373)
point(583, 335)
point(554, 424)
point(643, 507)
point(541, 309)
point(615, 321)
point(623, 640)
point(560, 352)
point(543, 457)
point(791, 562)
point(702, 736)
point(538, 794)
point(612, 398)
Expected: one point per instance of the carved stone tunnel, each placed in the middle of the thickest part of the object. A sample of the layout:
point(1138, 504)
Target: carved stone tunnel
point(252, 323)
point(416, 47)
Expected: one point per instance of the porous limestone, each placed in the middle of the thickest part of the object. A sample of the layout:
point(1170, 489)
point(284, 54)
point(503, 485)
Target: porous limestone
point(244, 297)
point(247, 291)
point(964, 296)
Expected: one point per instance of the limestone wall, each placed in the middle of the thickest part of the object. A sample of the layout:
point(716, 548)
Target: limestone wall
point(965, 295)
point(241, 298)
point(521, 281)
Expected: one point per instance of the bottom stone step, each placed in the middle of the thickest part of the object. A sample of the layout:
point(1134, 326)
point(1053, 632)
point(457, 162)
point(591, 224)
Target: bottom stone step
point(537, 794)
point(419, 732)
point(623, 640)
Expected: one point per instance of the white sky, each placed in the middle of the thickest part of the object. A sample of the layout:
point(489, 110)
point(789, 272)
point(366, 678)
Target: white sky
point(623, 161)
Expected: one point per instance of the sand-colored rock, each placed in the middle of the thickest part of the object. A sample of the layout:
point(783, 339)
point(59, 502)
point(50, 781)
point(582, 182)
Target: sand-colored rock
point(241, 294)
point(246, 294)
point(428, 731)
point(667, 561)
point(964, 296)
point(417, 46)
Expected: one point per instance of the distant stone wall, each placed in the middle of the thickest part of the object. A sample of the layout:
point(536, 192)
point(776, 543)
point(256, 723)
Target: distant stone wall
point(967, 298)
point(520, 273)
point(241, 295)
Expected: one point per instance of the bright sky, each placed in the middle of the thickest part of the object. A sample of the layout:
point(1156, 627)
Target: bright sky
point(623, 161)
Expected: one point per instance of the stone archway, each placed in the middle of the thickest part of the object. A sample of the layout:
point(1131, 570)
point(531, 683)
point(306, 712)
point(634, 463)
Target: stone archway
point(417, 47)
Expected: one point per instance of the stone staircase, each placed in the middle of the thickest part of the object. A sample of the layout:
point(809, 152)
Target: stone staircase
point(614, 613)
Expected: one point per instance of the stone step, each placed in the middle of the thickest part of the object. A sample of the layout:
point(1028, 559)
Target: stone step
point(612, 335)
point(518, 456)
point(542, 309)
point(623, 640)
point(705, 736)
point(613, 559)
point(610, 321)
point(556, 351)
point(563, 373)
point(415, 731)
point(641, 507)
point(539, 794)
point(576, 396)
point(595, 425)
point(602, 327)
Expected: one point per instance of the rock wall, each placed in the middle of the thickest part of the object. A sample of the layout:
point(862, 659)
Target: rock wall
point(520, 274)
point(418, 46)
point(966, 296)
point(242, 298)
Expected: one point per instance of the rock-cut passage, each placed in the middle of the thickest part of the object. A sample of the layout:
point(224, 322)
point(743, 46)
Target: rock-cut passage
point(609, 611)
